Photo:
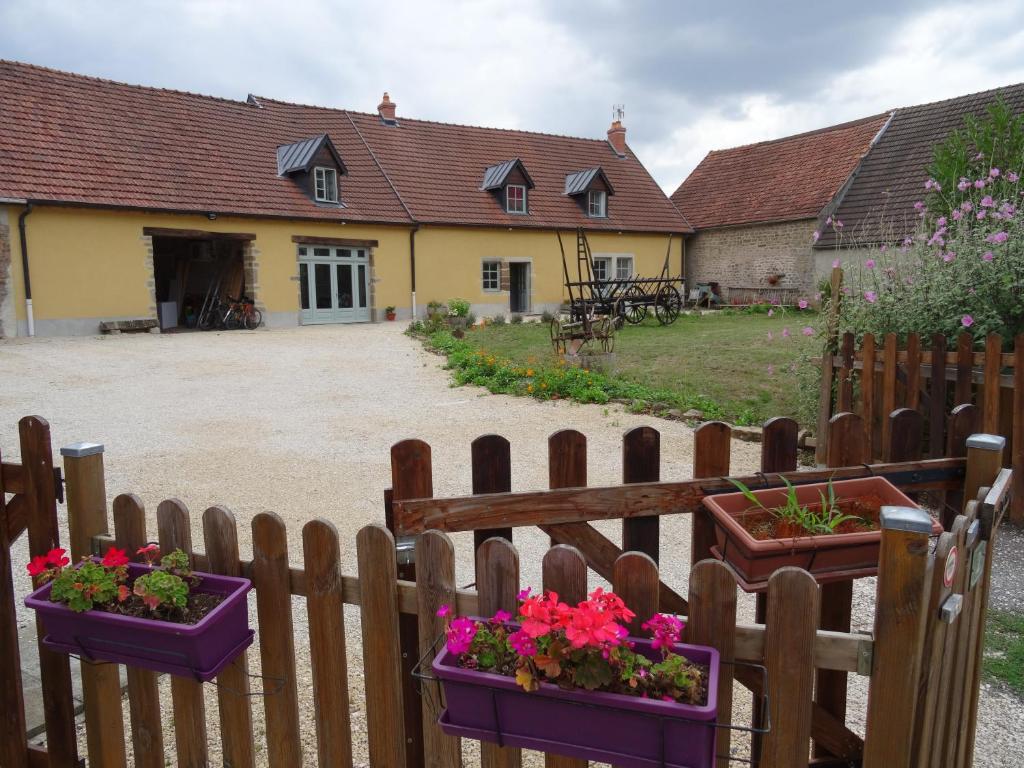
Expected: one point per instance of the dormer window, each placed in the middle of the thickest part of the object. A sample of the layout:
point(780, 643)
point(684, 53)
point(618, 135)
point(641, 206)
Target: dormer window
point(326, 181)
point(515, 198)
point(597, 204)
point(590, 189)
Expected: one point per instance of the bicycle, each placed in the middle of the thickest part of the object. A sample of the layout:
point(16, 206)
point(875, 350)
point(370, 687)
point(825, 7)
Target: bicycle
point(242, 313)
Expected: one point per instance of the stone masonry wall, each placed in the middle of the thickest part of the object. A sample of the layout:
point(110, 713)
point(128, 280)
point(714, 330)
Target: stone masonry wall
point(8, 327)
point(745, 257)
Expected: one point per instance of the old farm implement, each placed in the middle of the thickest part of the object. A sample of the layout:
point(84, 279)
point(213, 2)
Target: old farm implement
point(599, 303)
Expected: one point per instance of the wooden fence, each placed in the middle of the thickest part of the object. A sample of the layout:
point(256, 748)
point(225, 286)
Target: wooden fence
point(922, 661)
point(931, 382)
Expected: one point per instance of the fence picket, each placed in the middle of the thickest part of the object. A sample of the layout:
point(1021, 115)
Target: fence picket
point(435, 586)
point(13, 744)
point(271, 578)
point(565, 572)
point(498, 564)
point(325, 607)
point(712, 442)
point(844, 396)
point(990, 398)
point(913, 399)
point(641, 463)
point(712, 621)
point(846, 441)
point(491, 459)
point(964, 368)
point(43, 535)
point(937, 398)
point(867, 389)
point(635, 579)
point(220, 535)
point(970, 630)
point(567, 468)
point(190, 739)
point(906, 430)
point(382, 656)
point(964, 421)
point(411, 478)
point(143, 693)
point(889, 371)
point(793, 607)
point(1017, 444)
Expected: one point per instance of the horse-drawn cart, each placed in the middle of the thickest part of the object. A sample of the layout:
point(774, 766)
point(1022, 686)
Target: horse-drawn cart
point(598, 306)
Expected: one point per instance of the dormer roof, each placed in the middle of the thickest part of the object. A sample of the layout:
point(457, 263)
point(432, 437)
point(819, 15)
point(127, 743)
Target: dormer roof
point(300, 155)
point(495, 176)
point(578, 182)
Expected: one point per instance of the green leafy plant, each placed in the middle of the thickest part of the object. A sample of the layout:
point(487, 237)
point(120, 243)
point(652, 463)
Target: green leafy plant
point(498, 320)
point(516, 319)
point(816, 522)
point(161, 590)
point(458, 307)
point(546, 317)
point(85, 587)
point(389, 309)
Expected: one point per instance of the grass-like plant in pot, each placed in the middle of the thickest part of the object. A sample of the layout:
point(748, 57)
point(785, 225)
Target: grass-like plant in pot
point(157, 615)
point(827, 528)
point(568, 680)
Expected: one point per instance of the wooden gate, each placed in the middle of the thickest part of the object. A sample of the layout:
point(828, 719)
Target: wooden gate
point(922, 660)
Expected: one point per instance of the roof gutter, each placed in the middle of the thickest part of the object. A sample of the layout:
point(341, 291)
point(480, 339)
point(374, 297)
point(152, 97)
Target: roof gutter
point(24, 269)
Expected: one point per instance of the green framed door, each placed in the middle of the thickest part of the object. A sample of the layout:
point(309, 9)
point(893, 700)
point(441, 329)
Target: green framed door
point(334, 285)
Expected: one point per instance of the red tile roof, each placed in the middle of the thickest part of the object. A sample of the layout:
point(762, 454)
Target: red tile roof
point(781, 180)
point(81, 140)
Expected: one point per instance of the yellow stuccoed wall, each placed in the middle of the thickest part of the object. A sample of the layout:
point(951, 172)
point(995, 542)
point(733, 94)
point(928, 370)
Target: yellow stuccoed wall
point(92, 264)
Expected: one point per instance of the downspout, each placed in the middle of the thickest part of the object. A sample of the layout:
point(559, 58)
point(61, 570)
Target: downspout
point(24, 269)
point(412, 265)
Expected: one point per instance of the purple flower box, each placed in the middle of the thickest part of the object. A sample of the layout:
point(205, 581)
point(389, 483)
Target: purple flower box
point(626, 731)
point(199, 651)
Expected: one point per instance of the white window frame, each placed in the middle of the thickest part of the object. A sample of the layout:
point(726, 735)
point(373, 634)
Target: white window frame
point(608, 267)
point(325, 184)
point(484, 278)
point(597, 204)
point(508, 199)
point(623, 267)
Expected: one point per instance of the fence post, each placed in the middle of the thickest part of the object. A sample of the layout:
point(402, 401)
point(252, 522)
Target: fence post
point(491, 457)
point(1017, 494)
point(13, 744)
point(990, 400)
point(889, 371)
point(900, 615)
point(984, 460)
point(964, 369)
point(711, 446)
point(641, 463)
point(827, 363)
point(937, 396)
point(43, 535)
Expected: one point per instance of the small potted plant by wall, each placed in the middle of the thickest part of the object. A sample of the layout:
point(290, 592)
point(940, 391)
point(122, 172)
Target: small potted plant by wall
point(160, 615)
point(824, 528)
point(458, 313)
point(389, 312)
point(568, 680)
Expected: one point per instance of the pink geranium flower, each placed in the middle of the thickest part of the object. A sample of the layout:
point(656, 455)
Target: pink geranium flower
point(802, 304)
point(808, 331)
point(1012, 177)
point(870, 297)
point(785, 333)
point(994, 173)
point(988, 202)
point(987, 256)
point(998, 237)
point(979, 184)
point(966, 321)
point(870, 263)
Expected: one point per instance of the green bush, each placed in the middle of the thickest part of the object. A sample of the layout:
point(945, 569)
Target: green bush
point(458, 307)
point(498, 320)
point(546, 317)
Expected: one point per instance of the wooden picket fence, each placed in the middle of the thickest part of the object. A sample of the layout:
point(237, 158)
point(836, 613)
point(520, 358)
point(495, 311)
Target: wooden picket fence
point(930, 381)
point(922, 660)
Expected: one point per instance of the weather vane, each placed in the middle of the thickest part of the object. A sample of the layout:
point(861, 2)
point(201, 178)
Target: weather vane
point(618, 112)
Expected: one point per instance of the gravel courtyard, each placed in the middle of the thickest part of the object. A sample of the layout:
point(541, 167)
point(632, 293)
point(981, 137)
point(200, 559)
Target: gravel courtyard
point(300, 422)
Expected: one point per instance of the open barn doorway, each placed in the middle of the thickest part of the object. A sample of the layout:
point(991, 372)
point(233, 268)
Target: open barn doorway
point(191, 272)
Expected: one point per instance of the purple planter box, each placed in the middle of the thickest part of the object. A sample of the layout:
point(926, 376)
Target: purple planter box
point(199, 651)
point(626, 731)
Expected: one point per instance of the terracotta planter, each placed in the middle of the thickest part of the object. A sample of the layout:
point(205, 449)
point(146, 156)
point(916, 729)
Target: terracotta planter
point(755, 560)
point(390, 315)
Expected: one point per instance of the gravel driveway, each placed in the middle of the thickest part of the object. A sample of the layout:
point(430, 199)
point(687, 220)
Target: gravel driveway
point(301, 421)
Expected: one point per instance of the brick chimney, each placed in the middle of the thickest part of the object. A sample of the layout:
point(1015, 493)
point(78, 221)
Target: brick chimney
point(617, 138)
point(386, 109)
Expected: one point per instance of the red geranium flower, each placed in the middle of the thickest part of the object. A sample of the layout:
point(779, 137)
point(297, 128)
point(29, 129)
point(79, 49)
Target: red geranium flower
point(115, 558)
point(57, 557)
point(38, 566)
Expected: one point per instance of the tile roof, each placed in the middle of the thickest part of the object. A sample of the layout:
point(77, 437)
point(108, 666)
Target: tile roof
point(879, 203)
point(781, 180)
point(437, 168)
point(80, 140)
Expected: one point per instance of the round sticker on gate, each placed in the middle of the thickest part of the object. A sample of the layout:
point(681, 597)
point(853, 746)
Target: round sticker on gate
point(950, 569)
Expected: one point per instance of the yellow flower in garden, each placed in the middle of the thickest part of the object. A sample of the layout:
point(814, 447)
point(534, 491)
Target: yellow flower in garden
point(543, 385)
point(529, 387)
point(529, 371)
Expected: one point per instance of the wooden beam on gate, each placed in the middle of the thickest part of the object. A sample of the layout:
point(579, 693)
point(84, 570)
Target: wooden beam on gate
point(17, 517)
point(574, 505)
point(12, 477)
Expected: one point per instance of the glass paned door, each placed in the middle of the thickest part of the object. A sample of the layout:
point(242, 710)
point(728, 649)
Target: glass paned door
point(334, 284)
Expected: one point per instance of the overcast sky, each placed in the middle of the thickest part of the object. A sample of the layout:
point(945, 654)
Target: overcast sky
point(692, 76)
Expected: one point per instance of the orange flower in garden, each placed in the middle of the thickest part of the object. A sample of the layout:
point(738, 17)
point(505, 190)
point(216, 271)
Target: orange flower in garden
point(543, 385)
point(529, 371)
point(529, 387)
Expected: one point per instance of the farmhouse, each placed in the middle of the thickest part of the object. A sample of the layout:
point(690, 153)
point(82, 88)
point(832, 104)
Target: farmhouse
point(756, 208)
point(120, 202)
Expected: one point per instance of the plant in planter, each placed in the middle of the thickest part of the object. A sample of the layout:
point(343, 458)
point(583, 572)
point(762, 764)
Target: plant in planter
point(159, 615)
point(458, 313)
point(569, 680)
point(389, 312)
point(829, 529)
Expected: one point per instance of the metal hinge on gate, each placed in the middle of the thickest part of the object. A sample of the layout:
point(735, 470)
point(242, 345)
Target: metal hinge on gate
point(58, 484)
point(865, 656)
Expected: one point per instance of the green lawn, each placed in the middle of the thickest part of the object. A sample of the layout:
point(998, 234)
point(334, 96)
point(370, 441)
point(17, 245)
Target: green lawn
point(1004, 649)
point(723, 360)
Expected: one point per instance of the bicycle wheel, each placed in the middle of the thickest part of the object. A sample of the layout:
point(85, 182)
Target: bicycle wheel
point(253, 319)
point(233, 320)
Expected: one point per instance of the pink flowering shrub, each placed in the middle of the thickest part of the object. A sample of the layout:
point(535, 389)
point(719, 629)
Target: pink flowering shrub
point(585, 646)
point(964, 266)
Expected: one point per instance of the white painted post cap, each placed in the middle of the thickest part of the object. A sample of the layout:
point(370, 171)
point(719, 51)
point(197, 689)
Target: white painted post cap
point(906, 519)
point(80, 450)
point(986, 442)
